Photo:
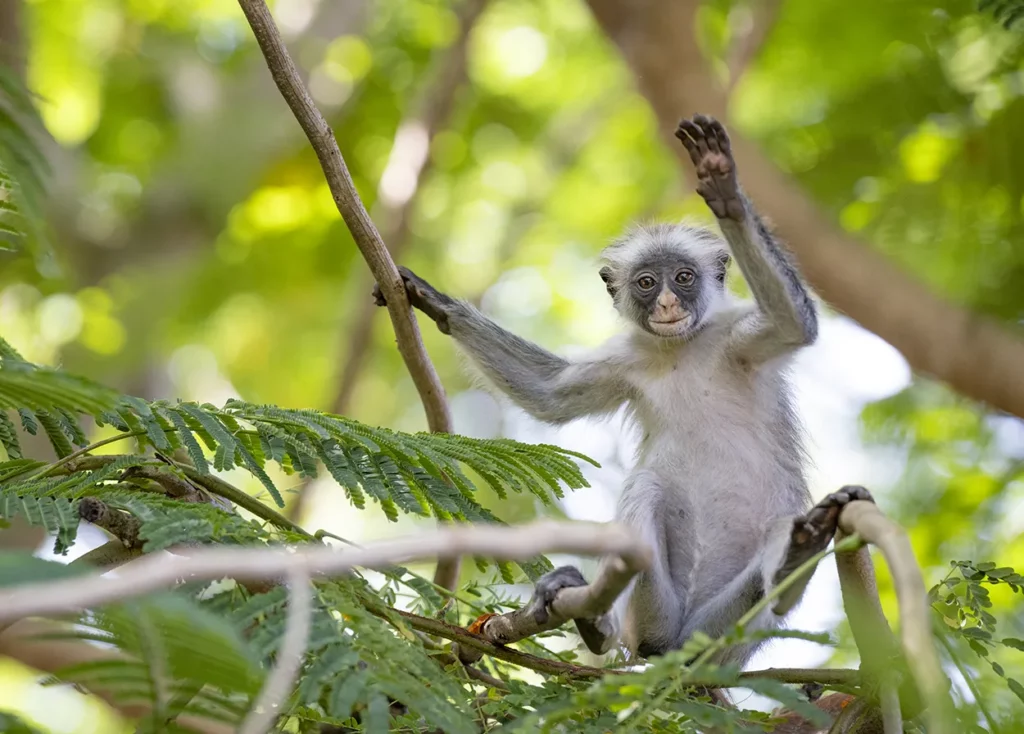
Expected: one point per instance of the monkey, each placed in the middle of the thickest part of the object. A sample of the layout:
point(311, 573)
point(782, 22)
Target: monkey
point(718, 489)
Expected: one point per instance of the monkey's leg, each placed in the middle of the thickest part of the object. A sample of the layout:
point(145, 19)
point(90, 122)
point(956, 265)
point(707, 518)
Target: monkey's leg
point(810, 535)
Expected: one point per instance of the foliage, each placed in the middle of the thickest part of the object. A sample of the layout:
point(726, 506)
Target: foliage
point(203, 256)
point(23, 168)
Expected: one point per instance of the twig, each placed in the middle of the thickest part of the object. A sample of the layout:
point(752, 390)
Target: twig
point(828, 677)
point(867, 521)
point(151, 573)
point(407, 333)
point(289, 658)
point(433, 108)
point(209, 482)
point(70, 458)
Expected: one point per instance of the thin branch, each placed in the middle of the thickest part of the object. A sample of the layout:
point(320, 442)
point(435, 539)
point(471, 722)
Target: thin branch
point(151, 573)
point(867, 521)
point(209, 482)
point(407, 333)
point(408, 164)
point(351, 208)
point(828, 677)
point(70, 458)
point(279, 683)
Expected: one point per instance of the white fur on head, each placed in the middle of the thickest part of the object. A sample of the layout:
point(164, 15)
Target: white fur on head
point(643, 240)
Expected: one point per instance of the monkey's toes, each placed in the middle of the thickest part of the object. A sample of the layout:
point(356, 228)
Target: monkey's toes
point(378, 295)
point(548, 586)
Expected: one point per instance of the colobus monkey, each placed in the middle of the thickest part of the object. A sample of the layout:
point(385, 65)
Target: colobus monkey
point(718, 489)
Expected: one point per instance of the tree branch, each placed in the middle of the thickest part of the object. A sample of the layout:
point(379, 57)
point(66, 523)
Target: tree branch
point(828, 677)
point(871, 632)
point(151, 573)
point(975, 355)
point(121, 525)
point(408, 164)
point(581, 602)
point(351, 208)
point(867, 521)
point(365, 234)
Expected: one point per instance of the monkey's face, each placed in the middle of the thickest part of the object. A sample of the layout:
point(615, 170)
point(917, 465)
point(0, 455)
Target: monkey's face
point(667, 295)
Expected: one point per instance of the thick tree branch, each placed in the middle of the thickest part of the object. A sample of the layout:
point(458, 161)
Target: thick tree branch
point(121, 525)
point(867, 521)
point(976, 356)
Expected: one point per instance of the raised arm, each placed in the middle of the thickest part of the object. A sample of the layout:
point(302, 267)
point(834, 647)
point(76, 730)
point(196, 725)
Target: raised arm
point(547, 387)
point(787, 318)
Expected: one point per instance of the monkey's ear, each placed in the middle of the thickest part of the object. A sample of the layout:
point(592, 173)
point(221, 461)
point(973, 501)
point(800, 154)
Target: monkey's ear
point(723, 265)
point(606, 276)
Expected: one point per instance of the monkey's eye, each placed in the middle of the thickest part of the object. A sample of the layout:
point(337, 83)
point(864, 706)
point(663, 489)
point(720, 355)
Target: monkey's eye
point(684, 277)
point(646, 282)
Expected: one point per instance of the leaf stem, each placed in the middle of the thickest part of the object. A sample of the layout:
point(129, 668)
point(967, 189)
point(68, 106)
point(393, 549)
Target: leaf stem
point(42, 472)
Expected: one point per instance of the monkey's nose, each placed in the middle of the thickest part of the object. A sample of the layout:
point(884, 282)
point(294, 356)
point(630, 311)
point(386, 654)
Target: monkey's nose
point(667, 299)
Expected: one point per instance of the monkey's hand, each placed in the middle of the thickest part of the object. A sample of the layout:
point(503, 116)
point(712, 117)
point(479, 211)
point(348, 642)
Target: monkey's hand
point(423, 296)
point(708, 144)
point(813, 532)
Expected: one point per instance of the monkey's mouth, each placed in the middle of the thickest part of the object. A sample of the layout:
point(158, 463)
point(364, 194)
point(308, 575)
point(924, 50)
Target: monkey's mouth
point(670, 327)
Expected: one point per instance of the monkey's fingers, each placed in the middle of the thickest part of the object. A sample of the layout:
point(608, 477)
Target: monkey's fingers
point(707, 128)
point(697, 135)
point(378, 295)
point(689, 144)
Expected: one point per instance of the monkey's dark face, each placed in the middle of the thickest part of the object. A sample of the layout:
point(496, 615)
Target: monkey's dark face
point(667, 294)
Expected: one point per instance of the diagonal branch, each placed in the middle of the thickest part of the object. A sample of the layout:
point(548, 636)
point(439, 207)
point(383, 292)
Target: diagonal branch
point(408, 164)
point(350, 206)
point(975, 355)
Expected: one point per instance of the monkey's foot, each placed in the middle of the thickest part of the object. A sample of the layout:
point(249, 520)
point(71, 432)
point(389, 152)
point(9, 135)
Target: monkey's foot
point(548, 586)
point(813, 532)
point(707, 142)
point(423, 296)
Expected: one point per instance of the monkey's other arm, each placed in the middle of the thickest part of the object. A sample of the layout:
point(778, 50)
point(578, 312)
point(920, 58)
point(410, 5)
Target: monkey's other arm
point(787, 319)
point(546, 386)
